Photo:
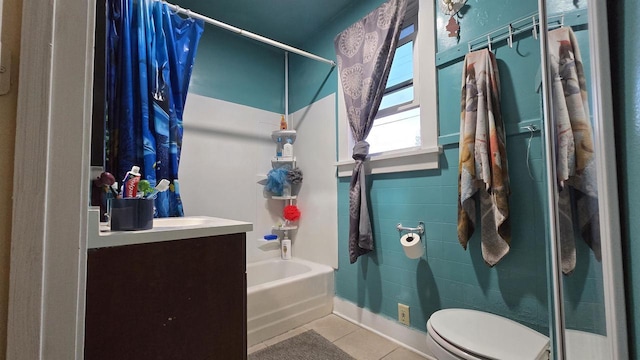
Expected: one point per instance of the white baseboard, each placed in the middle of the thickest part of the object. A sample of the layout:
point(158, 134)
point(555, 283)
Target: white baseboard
point(407, 337)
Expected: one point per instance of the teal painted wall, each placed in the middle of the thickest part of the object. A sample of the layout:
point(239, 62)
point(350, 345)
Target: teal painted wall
point(239, 70)
point(625, 72)
point(448, 276)
point(312, 80)
point(519, 69)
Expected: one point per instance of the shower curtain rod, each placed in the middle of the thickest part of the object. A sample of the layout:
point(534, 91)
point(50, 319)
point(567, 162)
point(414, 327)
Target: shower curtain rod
point(245, 33)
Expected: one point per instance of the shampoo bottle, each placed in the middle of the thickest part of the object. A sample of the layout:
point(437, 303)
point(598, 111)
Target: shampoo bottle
point(285, 248)
point(287, 149)
point(279, 148)
point(283, 123)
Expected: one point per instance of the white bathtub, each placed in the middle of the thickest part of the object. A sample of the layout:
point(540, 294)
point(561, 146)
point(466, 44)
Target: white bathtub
point(285, 294)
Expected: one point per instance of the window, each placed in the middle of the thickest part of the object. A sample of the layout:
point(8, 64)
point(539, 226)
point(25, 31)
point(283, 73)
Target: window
point(397, 124)
point(405, 133)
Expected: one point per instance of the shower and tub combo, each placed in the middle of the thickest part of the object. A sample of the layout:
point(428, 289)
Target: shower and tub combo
point(285, 294)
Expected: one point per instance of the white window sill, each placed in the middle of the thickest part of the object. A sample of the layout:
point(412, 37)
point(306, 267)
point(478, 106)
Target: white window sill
point(396, 161)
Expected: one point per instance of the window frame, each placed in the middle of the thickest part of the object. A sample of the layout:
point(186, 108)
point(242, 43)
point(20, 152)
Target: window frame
point(425, 156)
point(415, 102)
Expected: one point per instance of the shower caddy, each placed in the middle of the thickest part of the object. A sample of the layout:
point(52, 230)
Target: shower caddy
point(289, 198)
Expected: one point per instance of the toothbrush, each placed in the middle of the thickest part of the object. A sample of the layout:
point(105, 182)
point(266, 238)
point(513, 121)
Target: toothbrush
point(114, 189)
point(162, 186)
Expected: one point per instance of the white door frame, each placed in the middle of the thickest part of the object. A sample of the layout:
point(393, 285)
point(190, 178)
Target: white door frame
point(51, 181)
point(1, 8)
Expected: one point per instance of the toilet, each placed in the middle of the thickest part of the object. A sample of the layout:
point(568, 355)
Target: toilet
point(462, 334)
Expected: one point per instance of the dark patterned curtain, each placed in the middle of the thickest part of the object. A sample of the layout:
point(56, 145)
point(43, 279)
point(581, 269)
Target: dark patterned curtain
point(364, 52)
point(150, 54)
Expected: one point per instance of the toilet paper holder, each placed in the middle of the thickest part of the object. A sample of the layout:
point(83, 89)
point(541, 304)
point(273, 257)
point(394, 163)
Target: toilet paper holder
point(419, 229)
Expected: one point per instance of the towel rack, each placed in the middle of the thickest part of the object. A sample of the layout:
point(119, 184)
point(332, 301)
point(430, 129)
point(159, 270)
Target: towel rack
point(519, 26)
point(509, 31)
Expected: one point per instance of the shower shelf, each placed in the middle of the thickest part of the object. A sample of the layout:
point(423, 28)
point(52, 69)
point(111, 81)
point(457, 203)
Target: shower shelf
point(290, 196)
point(293, 197)
point(263, 241)
point(283, 159)
point(284, 135)
point(285, 228)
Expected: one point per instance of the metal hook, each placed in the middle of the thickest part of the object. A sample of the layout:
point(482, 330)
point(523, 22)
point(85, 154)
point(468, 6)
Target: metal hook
point(535, 28)
point(176, 8)
point(469, 45)
point(489, 42)
point(510, 38)
point(532, 129)
point(562, 20)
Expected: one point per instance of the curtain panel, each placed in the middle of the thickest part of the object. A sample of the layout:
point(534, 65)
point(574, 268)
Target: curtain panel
point(364, 53)
point(150, 55)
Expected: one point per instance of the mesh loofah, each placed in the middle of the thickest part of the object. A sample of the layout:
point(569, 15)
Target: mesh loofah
point(276, 178)
point(294, 176)
point(291, 213)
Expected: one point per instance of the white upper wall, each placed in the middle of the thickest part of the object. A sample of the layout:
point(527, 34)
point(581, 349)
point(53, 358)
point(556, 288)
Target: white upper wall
point(227, 149)
point(315, 148)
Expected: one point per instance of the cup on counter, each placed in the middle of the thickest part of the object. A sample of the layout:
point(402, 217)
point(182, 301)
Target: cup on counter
point(130, 214)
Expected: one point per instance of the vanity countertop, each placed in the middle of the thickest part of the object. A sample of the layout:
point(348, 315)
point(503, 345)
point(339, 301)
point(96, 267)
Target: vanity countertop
point(165, 229)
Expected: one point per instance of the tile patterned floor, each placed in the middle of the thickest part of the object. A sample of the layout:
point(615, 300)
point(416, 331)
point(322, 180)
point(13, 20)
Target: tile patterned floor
point(360, 343)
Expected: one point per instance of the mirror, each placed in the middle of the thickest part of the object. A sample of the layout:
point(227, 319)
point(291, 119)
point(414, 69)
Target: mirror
point(588, 315)
point(592, 310)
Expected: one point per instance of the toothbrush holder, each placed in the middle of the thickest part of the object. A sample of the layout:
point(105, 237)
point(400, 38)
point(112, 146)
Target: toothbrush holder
point(130, 214)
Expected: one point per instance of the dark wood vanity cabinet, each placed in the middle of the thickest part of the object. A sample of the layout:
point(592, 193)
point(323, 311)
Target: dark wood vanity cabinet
point(181, 299)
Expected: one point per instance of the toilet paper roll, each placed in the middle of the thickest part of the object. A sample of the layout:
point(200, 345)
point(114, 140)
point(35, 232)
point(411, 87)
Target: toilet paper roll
point(412, 245)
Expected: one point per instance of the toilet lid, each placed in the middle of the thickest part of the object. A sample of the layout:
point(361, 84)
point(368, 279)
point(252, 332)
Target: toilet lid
point(488, 335)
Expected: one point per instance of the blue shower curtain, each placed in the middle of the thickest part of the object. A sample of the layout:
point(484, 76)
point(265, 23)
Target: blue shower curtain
point(150, 54)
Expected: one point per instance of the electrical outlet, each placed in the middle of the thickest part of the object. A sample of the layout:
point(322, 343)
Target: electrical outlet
point(403, 314)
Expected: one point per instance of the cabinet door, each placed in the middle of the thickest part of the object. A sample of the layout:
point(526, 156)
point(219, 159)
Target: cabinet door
point(183, 299)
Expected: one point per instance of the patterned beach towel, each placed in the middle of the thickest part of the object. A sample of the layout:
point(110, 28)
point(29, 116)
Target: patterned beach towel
point(575, 158)
point(483, 158)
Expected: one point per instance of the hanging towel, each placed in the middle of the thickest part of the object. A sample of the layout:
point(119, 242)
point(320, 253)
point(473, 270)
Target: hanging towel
point(577, 183)
point(483, 158)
